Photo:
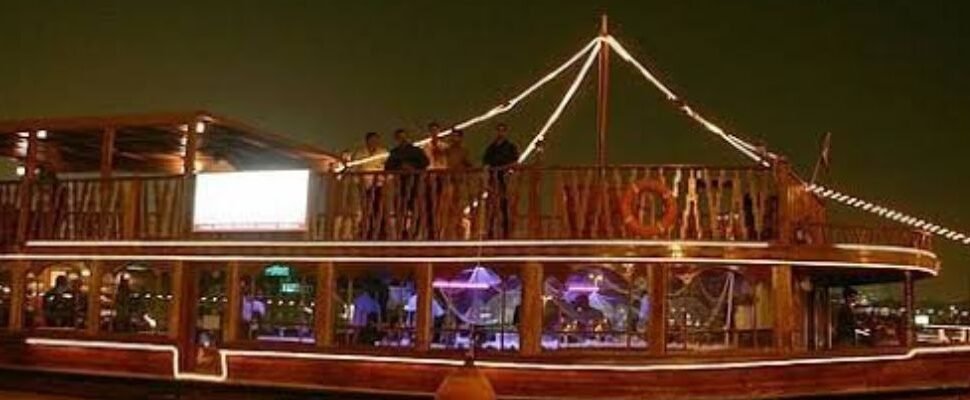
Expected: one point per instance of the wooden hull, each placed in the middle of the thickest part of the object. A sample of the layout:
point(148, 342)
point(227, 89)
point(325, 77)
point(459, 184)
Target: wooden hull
point(918, 373)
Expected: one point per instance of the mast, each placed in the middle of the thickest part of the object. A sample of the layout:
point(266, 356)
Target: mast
point(602, 94)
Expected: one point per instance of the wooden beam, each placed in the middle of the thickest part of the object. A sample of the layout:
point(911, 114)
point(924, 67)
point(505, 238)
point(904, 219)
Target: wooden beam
point(425, 319)
point(107, 152)
point(191, 149)
point(185, 300)
point(178, 278)
point(657, 327)
point(531, 310)
point(784, 310)
point(908, 339)
point(18, 287)
point(323, 323)
point(93, 319)
point(26, 186)
point(234, 313)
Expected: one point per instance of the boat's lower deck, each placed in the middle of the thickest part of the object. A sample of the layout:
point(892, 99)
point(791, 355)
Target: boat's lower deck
point(926, 371)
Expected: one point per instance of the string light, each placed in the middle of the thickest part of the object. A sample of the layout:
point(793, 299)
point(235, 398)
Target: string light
point(744, 147)
point(224, 355)
point(498, 110)
point(539, 137)
point(891, 214)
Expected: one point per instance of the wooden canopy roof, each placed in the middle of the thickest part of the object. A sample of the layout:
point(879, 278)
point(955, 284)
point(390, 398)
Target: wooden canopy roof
point(155, 143)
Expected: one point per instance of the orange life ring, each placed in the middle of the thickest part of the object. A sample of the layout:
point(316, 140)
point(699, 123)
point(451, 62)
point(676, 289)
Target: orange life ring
point(668, 219)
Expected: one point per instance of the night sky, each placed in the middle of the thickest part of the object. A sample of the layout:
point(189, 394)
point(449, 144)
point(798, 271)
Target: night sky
point(888, 78)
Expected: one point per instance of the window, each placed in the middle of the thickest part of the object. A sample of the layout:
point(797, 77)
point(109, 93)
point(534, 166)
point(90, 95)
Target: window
point(716, 308)
point(598, 306)
point(211, 308)
point(871, 316)
point(278, 304)
point(136, 298)
point(375, 307)
point(57, 296)
point(476, 304)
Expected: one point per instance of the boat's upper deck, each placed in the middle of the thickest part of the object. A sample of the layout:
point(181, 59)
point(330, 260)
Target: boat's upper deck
point(129, 196)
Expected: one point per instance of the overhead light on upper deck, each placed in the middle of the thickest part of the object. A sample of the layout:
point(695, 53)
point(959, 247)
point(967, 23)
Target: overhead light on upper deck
point(23, 134)
point(42, 134)
point(200, 127)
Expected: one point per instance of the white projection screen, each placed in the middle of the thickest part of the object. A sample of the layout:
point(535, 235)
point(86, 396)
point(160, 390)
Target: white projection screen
point(257, 201)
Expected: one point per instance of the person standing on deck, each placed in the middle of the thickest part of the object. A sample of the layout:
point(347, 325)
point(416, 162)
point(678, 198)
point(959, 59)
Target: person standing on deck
point(59, 304)
point(437, 152)
point(407, 160)
point(373, 154)
point(845, 320)
point(499, 156)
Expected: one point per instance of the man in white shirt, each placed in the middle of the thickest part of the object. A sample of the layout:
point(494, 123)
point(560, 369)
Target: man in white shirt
point(371, 178)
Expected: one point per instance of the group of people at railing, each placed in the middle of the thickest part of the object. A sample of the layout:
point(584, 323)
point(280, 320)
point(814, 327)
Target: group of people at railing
point(425, 205)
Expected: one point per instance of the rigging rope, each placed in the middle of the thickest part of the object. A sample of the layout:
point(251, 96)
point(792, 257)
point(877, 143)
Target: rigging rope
point(539, 137)
point(497, 110)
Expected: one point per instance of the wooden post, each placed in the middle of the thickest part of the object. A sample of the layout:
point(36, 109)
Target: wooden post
point(185, 305)
point(657, 327)
point(323, 324)
point(191, 148)
point(188, 175)
point(26, 186)
point(93, 319)
point(234, 313)
point(132, 209)
point(908, 337)
point(178, 277)
point(782, 284)
point(825, 317)
point(107, 162)
point(781, 287)
point(535, 203)
point(603, 87)
point(107, 152)
point(531, 310)
point(18, 283)
point(425, 319)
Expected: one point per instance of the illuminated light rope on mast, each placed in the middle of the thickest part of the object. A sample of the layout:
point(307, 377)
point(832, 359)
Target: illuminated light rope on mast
point(744, 147)
point(498, 110)
point(890, 214)
point(539, 137)
point(765, 158)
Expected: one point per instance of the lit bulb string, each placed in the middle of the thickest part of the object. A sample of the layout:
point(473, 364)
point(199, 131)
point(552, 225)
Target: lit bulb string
point(744, 147)
point(580, 77)
point(764, 158)
point(890, 214)
point(498, 110)
point(225, 354)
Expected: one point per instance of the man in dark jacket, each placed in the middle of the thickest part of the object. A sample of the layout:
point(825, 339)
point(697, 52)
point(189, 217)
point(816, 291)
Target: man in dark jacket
point(499, 156)
point(408, 161)
point(405, 157)
point(501, 152)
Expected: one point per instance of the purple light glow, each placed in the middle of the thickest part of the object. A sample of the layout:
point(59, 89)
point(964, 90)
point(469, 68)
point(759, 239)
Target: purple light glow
point(460, 285)
point(582, 288)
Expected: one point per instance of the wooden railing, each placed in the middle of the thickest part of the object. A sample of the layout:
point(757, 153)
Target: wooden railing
point(123, 208)
point(885, 236)
point(9, 211)
point(711, 203)
point(574, 203)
